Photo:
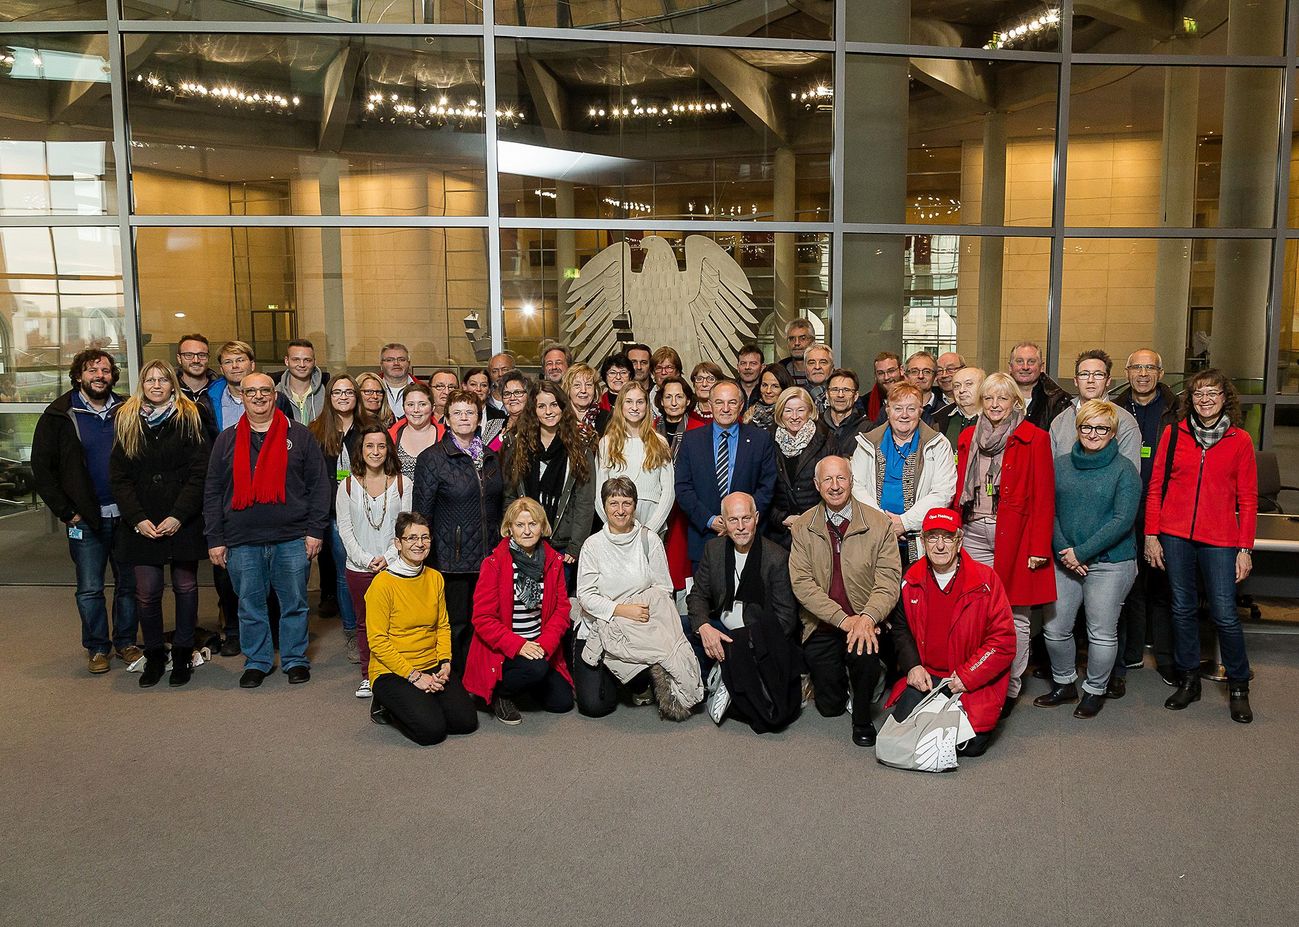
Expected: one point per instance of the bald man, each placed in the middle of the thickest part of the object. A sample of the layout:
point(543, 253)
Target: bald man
point(742, 609)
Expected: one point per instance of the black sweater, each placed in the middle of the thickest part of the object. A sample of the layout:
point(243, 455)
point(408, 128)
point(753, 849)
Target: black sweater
point(308, 487)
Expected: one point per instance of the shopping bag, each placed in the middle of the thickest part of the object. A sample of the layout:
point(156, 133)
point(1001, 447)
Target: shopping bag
point(927, 740)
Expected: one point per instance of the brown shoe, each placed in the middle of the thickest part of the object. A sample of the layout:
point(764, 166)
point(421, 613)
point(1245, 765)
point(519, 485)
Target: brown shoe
point(129, 654)
point(99, 663)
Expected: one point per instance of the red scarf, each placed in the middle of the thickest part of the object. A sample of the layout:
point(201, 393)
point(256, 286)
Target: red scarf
point(266, 485)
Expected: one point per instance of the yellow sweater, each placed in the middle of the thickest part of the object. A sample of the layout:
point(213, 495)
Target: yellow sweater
point(406, 623)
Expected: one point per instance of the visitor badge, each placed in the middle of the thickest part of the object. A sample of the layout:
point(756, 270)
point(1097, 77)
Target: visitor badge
point(1145, 451)
point(341, 474)
point(74, 532)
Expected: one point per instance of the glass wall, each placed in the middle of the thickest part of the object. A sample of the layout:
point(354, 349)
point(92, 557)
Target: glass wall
point(468, 177)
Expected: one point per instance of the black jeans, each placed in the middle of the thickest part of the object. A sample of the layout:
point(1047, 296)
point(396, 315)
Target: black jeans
point(149, 584)
point(425, 717)
point(1147, 612)
point(761, 672)
point(833, 670)
point(595, 688)
point(460, 609)
point(227, 600)
point(539, 679)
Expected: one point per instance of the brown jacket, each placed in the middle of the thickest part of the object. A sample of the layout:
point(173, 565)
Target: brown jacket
point(872, 568)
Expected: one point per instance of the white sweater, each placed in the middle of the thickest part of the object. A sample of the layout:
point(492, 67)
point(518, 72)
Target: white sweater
point(612, 567)
point(655, 489)
point(362, 541)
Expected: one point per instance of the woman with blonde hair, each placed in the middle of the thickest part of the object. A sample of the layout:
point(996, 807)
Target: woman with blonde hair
point(580, 384)
point(1005, 490)
point(521, 613)
point(369, 389)
point(802, 440)
point(632, 447)
point(157, 469)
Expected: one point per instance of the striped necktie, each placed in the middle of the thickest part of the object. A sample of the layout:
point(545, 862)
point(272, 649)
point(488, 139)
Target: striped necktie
point(723, 463)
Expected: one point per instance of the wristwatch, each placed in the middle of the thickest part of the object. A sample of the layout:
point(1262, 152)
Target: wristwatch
point(1247, 550)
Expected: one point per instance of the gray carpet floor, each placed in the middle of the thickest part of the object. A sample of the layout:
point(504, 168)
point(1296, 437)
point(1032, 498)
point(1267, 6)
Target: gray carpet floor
point(213, 805)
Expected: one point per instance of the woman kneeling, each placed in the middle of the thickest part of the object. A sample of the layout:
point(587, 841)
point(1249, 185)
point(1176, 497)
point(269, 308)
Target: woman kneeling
point(521, 612)
point(410, 645)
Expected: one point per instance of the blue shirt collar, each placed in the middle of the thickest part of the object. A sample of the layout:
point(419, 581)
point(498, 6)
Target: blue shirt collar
point(733, 430)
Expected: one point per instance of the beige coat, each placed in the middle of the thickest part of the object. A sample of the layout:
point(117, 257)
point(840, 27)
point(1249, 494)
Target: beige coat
point(872, 567)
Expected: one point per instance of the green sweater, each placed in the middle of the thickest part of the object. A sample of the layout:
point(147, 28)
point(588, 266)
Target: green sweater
point(1096, 500)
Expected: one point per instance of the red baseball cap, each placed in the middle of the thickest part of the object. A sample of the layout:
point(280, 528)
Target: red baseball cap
point(942, 520)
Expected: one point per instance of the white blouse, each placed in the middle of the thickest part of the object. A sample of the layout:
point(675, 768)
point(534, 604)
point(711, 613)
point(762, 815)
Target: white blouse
point(368, 525)
point(612, 567)
point(655, 489)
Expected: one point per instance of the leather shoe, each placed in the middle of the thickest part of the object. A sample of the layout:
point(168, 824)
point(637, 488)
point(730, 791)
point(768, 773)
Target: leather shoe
point(1117, 687)
point(230, 646)
point(1089, 706)
point(298, 675)
point(863, 735)
point(1188, 691)
point(1008, 706)
point(1240, 710)
point(1060, 694)
point(251, 679)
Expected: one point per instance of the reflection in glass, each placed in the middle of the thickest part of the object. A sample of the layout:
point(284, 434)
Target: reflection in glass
point(19, 11)
point(56, 154)
point(539, 268)
point(977, 296)
point(397, 12)
point(776, 19)
point(1198, 302)
point(348, 290)
point(926, 137)
point(1180, 147)
point(1024, 25)
point(295, 125)
point(60, 292)
point(621, 131)
point(1256, 27)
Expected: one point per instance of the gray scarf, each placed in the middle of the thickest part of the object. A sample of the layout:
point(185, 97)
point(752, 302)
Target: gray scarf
point(1208, 435)
point(986, 449)
point(529, 568)
point(791, 445)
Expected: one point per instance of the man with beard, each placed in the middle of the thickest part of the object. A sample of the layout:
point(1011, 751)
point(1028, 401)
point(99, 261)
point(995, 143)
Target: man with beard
point(70, 450)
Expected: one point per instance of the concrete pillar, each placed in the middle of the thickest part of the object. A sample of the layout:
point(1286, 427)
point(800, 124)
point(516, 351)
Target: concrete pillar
point(1251, 112)
point(875, 190)
point(331, 267)
point(1177, 207)
point(565, 251)
point(785, 251)
point(992, 251)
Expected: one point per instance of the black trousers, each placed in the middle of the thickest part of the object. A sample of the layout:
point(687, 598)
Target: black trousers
point(1147, 615)
point(595, 688)
point(520, 676)
point(328, 572)
point(227, 600)
point(761, 672)
point(460, 609)
point(425, 717)
point(834, 670)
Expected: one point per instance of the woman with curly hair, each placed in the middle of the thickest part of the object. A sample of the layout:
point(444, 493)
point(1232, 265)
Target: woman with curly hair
point(548, 456)
point(1201, 511)
point(632, 447)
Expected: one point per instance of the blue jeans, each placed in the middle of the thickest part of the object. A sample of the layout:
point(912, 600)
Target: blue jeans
point(91, 554)
point(1218, 567)
point(1102, 592)
point(346, 610)
point(255, 569)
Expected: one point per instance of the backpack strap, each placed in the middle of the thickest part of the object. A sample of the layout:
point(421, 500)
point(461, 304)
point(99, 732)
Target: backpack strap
point(349, 484)
point(1168, 458)
point(400, 490)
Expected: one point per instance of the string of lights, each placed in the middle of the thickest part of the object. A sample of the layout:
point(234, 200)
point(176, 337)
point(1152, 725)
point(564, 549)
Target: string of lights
point(662, 111)
point(1025, 32)
point(225, 93)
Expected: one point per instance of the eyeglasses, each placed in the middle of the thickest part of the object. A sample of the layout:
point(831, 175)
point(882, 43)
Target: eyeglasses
point(514, 393)
point(371, 392)
point(1144, 368)
point(1091, 375)
point(1099, 431)
point(704, 378)
point(156, 381)
point(343, 393)
point(259, 391)
point(417, 538)
point(950, 368)
point(1207, 394)
point(193, 355)
point(841, 389)
point(917, 371)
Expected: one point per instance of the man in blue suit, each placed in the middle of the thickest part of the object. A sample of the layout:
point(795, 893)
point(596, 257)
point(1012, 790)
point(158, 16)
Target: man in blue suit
point(723, 458)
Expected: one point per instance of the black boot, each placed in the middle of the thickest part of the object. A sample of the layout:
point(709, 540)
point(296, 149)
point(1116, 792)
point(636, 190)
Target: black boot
point(1240, 710)
point(155, 664)
point(182, 659)
point(1060, 694)
point(1188, 691)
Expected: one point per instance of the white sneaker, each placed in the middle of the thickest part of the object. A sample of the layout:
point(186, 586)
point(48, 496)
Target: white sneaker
point(720, 699)
point(363, 690)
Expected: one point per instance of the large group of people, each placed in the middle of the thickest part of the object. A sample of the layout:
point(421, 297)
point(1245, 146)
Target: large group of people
point(635, 533)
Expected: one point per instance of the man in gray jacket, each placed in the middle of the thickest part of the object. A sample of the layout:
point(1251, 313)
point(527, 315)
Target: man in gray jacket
point(1091, 376)
point(742, 608)
point(302, 382)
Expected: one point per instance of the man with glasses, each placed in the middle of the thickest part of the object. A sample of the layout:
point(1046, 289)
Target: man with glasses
point(497, 367)
point(1146, 611)
point(1046, 398)
point(888, 370)
point(224, 399)
point(819, 363)
point(266, 514)
point(394, 367)
point(302, 382)
point(948, 363)
point(442, 384)
point(922, 371)
point(799, 334)
point(1092, 378)
point(843, 416)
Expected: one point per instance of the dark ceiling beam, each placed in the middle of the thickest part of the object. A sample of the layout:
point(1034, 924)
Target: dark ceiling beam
point(1151, 17)
point(753, 93)
point(338, 90)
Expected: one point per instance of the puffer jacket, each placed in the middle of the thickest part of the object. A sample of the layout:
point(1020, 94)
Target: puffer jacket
point(463, 504)
point(795, 483)
point(935, 478)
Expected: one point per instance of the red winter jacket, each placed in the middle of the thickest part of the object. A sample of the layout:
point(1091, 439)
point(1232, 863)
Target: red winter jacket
point(1025, 512)
point(494, 638)
point(1212, 495)
point(981, 641)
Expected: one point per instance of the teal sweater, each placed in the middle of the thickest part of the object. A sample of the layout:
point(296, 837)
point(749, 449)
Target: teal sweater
point(1096, 499)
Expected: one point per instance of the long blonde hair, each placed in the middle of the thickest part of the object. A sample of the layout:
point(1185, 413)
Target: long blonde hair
point(657, 452)
point(129, 425)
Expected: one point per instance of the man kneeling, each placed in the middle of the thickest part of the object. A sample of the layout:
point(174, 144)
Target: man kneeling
point(742, 608)
point(954, 625)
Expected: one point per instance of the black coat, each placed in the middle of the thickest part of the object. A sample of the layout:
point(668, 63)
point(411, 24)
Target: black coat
point(165, 481)
point(708, 594)
point(59, 470)
point(463, 505)
point(795, 483)
point(575, 513)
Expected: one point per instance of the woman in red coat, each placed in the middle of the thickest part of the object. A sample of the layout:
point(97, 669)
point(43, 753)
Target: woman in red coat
point(521, 612)
point(956, 627)
point(1005, 491)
